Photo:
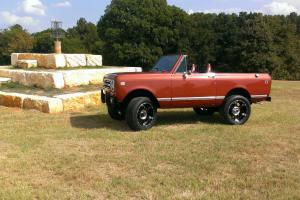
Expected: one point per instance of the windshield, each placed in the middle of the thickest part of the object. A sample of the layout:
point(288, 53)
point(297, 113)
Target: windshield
point(165, 63)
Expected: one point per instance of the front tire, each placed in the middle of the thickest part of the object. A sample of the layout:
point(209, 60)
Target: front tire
point(114, 113)
point(236, 110)
point(141, 114)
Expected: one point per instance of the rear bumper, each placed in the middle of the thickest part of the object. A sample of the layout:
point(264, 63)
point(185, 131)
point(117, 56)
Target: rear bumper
point(269, 99)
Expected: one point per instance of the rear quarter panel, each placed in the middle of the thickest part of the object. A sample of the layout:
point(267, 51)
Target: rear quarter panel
point(260, 85)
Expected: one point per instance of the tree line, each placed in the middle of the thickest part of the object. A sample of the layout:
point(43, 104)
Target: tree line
point(138, 32)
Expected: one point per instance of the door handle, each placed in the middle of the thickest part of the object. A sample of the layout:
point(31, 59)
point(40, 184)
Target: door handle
point(211, 75)
point(185, 75)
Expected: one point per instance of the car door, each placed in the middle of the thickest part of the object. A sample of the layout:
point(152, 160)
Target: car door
point(192, 89)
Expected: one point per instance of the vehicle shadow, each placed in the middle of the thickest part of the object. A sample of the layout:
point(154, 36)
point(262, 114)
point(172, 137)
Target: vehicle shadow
point(98, 121)
point(187, 117)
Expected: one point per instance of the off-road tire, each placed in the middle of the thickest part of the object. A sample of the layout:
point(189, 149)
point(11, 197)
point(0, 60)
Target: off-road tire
point(236, 110)
point(114, 113)
point(141, 114)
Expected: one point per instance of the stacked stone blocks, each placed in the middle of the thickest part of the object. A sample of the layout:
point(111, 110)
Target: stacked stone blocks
point(54, 61)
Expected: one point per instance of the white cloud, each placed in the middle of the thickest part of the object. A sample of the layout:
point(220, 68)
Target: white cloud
point(34, 7)
point(63, 4)
point(295, 3)
point(280, 8)
point(11, 19)
point(274, 7)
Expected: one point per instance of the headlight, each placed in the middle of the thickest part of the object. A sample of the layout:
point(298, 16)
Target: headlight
point(112, 85)
point(109, 84)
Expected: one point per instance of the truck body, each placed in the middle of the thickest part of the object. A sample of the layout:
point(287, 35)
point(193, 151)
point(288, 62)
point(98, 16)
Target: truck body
point(171, 84)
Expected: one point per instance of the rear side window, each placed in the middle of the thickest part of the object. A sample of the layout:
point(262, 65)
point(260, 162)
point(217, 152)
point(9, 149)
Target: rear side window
point(183, 66)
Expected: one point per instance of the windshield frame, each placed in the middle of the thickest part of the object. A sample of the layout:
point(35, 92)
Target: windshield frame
point(167, 69)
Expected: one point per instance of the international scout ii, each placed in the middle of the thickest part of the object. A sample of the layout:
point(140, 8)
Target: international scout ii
point(135, 97)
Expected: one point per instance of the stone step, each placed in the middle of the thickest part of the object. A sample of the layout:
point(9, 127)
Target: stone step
point(4, 80)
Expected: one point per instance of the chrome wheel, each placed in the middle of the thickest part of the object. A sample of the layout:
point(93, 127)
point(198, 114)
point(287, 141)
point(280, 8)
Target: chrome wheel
point(141, 114)
point(238, 111)
point(145, 114)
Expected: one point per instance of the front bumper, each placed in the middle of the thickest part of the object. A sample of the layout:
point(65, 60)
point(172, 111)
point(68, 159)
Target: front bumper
point(103, 98)
point(108, 98)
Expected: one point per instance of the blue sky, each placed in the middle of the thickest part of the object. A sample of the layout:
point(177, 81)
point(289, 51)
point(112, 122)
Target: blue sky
point(35, 15)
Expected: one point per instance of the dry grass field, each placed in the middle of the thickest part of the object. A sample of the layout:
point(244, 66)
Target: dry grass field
point(89, 156)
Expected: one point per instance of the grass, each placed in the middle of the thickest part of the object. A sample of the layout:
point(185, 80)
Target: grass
point(49, 92)
point(89, 156)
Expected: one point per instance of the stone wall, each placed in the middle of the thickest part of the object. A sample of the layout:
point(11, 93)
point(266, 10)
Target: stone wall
point(77, 101)
point(40, 103)
point(57, 104)
point(53, 61)
point(63, 78)
point(34, 78)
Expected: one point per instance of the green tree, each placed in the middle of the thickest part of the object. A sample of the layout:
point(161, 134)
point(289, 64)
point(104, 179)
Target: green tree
point(14, 40)
point(254, 43)
point(73, 45)
point(87, 33)
point(43, 42)
point(202, 38)
point(137, 32)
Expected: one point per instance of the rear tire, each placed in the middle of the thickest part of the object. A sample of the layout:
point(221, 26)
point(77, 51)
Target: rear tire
point(205, 111)
point(141, 114)
point(236, 110)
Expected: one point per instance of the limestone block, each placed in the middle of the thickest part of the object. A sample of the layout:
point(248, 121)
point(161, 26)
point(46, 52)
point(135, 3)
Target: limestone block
point(26, 56)
point(5, 67)
point(75, 60)
point(94, 60)
point(40, 58)
point(55, 61)
point(26, 64)
point(43, 104)
point(72, 102)
point(78, 101)
point(14, 59)
point(35, 78)
point(11, 99)
point(93, 98)
point(96, 77)
point(58, 80)
point(44, 79)
point(4, 80)
point(75, 78)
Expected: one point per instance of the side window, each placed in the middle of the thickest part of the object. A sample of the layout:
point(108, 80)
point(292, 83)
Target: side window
point(183, 66)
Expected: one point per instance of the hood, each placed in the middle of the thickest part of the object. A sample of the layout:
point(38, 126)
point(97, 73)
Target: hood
point(120, 74)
